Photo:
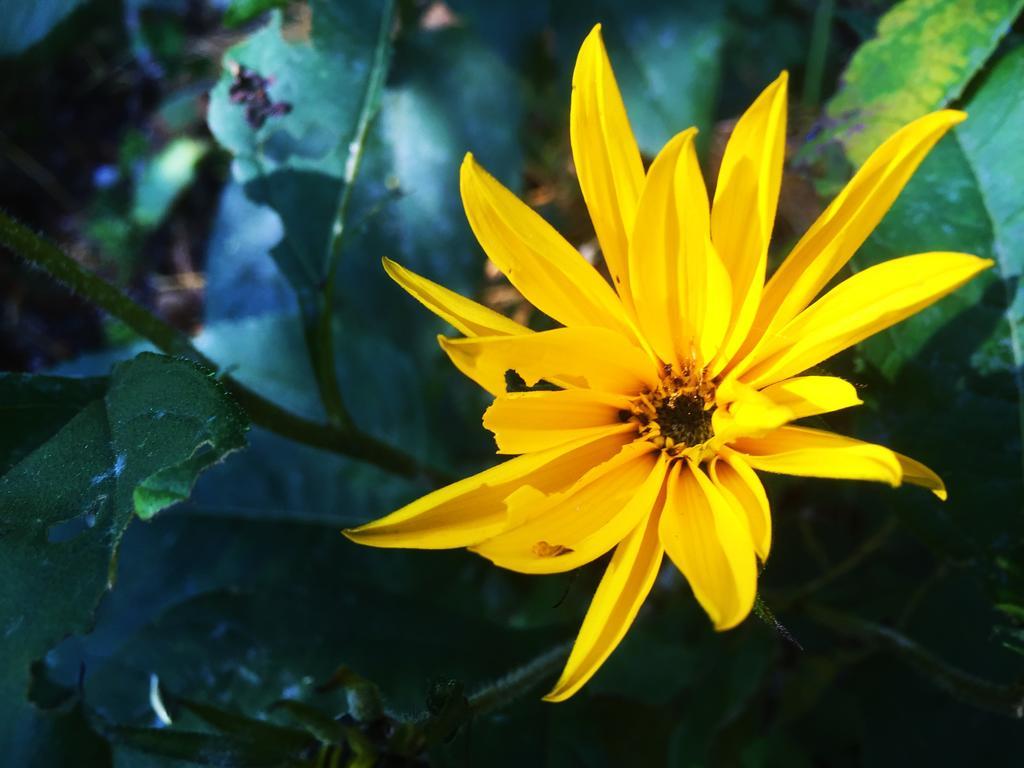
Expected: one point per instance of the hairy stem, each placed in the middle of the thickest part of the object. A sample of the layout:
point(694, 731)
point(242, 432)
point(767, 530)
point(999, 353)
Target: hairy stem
point(1005, 700)
point(519, 681)
point(43, 254)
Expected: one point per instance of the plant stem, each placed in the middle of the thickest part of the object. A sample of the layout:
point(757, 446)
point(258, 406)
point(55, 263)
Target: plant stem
point(1005, 700)
point(322, 330)
point(816, 52)
point(22, 241)
point(349, 442)
point(519, 681)
point(869, 547)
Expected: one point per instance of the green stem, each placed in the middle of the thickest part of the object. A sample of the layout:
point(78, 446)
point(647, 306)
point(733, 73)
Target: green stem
point(43, 254)
point(519, 681)
point(1005, 700)
point(869, 547)
point(816, 53)
point(322, 332)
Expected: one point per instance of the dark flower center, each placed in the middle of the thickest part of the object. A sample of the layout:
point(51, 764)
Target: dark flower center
point(676, 415)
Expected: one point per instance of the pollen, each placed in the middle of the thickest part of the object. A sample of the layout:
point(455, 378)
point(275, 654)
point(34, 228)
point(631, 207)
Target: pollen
point(677, 414)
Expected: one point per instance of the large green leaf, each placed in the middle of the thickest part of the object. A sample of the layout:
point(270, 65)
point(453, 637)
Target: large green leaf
point(293, 155)
point(666, 61)
point(36, 407)
point(133, 449)
point(924, 56)
point(954, 370)
point(666, 54)
point(439, 104)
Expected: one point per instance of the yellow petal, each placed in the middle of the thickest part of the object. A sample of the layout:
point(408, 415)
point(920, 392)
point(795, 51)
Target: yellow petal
point(709, 541)
point(593, 358)
point(464, 314)
point(536, 421)
point(623, 589)
point(679, 284)
point(547, 270)
point(916, 473)
point(473, 509)
point(846, 223)
point(743, 213)
point(749, 412)
point(815, 453)
point(862, 305)
point(579, 525)
point(608, 164)
point(486, 378)
point(812, 395)
point(740, 485)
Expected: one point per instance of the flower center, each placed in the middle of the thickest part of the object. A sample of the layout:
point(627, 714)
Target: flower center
point(676, 415)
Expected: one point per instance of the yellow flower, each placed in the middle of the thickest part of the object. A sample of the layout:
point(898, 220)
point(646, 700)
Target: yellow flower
point(639, 424)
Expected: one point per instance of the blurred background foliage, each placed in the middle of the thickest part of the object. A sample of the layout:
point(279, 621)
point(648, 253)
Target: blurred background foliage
point(197, 154)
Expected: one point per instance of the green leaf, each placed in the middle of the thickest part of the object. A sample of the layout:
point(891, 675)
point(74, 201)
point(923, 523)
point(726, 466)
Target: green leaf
point(439, 103)
point(287, 111)
point(133, 449)
point(666, 61)
point(22, 25)
point(241, 11)
point(923, 57)
point(666, 55)
point(33, 408)
point(950, 377)
point(442, 93)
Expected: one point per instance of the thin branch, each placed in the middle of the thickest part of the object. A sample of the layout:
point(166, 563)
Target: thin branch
point(322, 331)
point(1005, 700)
point(43, 254)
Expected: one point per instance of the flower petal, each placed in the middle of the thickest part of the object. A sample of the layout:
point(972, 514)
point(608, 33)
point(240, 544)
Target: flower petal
point(709, 541)
point(623, 589)
point(536, 421)
point(812, 395)
point(679, 284)
point(747, 412)
point(741, 486)
point(574, 527)
point(744, 411)
point(748, 188)
point(916, 473)
point(862, 305)
point(547, 270)
point(467, 316)
point(846, 223)
point(474, 509)
point(815, 453)
point(604, 150)
point(593, 358)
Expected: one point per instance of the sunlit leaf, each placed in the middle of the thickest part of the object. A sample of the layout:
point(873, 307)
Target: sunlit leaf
point(922, 58)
